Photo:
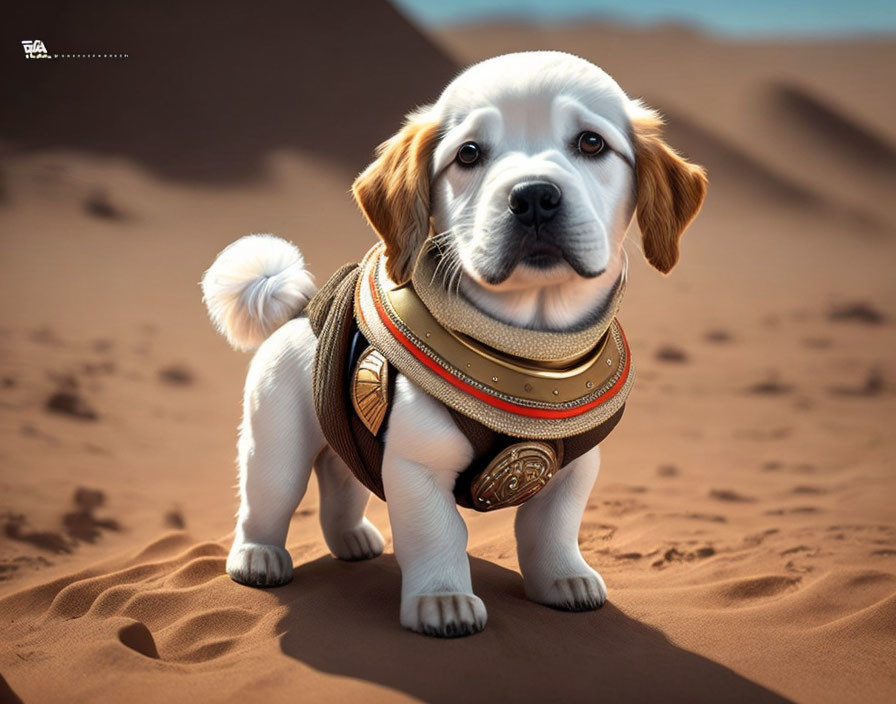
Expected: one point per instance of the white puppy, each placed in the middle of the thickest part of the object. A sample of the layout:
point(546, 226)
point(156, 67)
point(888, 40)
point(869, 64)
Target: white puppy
point(525, 176)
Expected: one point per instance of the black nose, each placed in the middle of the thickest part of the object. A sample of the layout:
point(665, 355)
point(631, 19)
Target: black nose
point(534, 202)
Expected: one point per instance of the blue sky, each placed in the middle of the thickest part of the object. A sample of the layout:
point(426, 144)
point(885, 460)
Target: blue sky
point(759, 18)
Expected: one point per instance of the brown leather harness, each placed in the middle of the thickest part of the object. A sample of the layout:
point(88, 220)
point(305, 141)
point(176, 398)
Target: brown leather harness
point(353, 386)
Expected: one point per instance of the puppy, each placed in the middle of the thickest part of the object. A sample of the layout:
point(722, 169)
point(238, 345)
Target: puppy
point(519, 184)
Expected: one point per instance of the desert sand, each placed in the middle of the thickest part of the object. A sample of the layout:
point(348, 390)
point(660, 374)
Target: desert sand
point(743, 518)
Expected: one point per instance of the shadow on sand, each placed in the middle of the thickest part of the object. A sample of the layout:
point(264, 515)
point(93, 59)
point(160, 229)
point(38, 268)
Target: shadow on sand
point(343, 619)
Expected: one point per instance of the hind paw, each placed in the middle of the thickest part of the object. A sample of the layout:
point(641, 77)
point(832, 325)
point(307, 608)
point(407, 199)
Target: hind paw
point(580, 593)
point(258, 565)
point(361, 543)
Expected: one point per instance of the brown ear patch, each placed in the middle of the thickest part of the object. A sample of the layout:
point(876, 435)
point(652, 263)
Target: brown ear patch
point(394, 194)
point(670, 192)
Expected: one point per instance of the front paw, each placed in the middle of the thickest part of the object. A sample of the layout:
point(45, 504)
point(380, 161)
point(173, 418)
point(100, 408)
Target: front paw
point(258, 565)
point(450, 615)
point(579, 593)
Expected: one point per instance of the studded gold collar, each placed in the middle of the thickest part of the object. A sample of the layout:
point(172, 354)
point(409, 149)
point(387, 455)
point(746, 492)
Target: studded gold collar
point(508, 393)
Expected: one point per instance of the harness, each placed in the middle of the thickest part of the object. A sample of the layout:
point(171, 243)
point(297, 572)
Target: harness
point(525, 415)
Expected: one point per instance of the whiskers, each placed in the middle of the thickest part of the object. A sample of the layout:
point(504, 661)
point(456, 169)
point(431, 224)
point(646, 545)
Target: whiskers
point(448, 265)
point(449, 270)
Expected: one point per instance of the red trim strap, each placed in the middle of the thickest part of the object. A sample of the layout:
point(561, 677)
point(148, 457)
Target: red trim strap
point(478, 393)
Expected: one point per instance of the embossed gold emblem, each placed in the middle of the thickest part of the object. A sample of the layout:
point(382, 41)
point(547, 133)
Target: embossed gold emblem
point(370, 389)
point(518, 473)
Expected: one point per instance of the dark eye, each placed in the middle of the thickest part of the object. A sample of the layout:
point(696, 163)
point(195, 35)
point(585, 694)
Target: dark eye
point(590, 143)
point(468, 154)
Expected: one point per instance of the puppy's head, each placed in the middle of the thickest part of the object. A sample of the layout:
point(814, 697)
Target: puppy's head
point(527, 172)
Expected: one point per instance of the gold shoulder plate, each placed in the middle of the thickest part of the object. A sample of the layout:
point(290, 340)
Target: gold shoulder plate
point(518, 473)
point(370, 389)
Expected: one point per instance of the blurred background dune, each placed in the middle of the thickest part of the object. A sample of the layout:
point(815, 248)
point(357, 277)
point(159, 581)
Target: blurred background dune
point(743, 517)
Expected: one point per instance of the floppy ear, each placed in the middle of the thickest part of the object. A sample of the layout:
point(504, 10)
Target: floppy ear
point(393, 193)
point(670, 190)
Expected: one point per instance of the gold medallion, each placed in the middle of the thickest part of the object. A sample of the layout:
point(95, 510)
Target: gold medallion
point(518, 473)
point(370, 393)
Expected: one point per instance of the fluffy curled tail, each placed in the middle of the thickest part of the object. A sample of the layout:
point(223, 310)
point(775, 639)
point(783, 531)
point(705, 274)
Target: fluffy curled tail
point(254, 286)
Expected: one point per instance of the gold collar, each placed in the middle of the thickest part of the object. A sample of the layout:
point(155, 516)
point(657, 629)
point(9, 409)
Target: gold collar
point(509, 393)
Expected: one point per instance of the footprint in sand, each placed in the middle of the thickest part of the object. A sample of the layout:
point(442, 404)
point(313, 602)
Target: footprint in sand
point(596, 532)
point(622, 507)
point(756, 539)
point(710, 517)
point(175, 519)
point(672, 354)
point(176, 375)
point(673, 554)
point(801, 549)
point(857, 312)
point(14, 528)
point(792, 511)
point(730, 495)
point(9, 568)
point(873, 385)
point(771, 386)
point(67, 400)
point(807, 490)
point(717, 336)
point(81, 525)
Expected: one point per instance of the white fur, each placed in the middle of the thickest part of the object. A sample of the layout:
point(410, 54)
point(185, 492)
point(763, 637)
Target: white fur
point(280, 441)
point(532, 103)
point(525, 110)
point(254, 286)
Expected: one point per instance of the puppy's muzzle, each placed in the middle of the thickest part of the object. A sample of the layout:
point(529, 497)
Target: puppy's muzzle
point(534, 202)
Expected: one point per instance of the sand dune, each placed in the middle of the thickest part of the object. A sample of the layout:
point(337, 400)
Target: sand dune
point(835, 141)
point(208, 98)
point(748, 177)
point(743, 517)
point(869, 153)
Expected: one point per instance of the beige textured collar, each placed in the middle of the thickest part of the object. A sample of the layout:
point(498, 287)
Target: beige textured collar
point(456, 312)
